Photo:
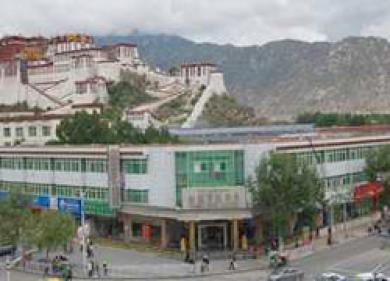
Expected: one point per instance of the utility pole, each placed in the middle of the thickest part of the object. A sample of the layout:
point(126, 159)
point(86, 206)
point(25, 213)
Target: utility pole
point(84, 252)
point(7, 269)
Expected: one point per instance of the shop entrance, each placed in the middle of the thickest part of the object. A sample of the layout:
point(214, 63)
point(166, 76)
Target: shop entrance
point(212, 236)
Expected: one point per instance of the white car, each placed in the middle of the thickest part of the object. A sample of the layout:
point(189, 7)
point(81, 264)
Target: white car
point(286, 274)
point(331, 276)
point(370, 276)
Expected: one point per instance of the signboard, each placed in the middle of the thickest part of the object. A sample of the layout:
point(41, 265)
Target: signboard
point(41, 201)
point(69, 205)
point(3, 194)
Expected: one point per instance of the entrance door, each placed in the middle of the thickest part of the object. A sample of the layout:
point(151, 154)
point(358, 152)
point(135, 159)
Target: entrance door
point(212, 236)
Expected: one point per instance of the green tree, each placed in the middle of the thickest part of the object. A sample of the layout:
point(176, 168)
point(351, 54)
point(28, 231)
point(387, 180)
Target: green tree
point(128, 93)
point(378, 167)
point(283, 189)
point(54, 230)
point(84, 128)
point(16, 219)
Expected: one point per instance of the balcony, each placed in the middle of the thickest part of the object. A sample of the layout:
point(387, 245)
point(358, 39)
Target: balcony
point(216, 198)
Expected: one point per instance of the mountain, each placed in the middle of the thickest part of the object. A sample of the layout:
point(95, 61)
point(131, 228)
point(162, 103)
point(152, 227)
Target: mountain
point(284, 78)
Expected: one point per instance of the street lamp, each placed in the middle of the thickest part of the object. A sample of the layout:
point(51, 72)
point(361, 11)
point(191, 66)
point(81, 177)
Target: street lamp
point(82, 213)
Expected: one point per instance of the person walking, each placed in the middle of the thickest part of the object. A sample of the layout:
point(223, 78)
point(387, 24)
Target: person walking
point(105, 268)
point(205, 263)
point(97, 271)
point(90, 269)
point(232, 263)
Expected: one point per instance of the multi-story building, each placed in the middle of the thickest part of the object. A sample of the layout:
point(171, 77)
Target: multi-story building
point(160, 193)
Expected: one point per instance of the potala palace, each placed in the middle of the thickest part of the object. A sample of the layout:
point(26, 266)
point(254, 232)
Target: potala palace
point(69, 73)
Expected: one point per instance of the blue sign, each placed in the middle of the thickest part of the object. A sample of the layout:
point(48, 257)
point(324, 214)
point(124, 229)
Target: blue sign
point(3, 194)
point(69, 205)
point(42, 201)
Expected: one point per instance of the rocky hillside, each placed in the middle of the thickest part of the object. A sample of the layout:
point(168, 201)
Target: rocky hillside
point(284, 78)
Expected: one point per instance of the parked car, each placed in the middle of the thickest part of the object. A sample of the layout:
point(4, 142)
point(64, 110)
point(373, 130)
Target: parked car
point(7, 250)
point(370, 276)
point(331, 276)
point(286, 274)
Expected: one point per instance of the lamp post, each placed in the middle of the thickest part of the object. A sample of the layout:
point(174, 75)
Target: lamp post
point(84, 252)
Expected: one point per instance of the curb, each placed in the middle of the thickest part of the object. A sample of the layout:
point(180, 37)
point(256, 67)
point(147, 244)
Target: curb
point(166, 277)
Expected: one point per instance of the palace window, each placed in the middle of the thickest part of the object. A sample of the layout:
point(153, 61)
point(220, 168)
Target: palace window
point(46, 131)
point(32, 131)
point(19, 132)
point(7, 132)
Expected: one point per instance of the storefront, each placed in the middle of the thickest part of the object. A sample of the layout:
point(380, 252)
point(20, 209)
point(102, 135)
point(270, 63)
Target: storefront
point(366, 197)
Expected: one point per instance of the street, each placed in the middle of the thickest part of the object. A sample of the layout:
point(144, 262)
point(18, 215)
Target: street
point(359, 255)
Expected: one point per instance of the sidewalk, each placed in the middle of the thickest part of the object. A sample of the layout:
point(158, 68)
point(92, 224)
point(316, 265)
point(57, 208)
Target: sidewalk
point(143, 265)
point(355, 229)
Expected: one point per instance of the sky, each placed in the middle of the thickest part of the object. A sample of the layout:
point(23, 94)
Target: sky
point(239, 22)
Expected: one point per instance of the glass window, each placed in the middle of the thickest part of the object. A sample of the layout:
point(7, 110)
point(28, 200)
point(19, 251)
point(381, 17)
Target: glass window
point(32, 131)
point(6, 132)
point(134, 166)
point(135, 195)
point(96, 165)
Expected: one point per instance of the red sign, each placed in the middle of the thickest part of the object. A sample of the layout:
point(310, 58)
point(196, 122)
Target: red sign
point(370, 189)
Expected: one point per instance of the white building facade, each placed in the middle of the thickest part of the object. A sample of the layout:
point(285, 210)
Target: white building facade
point(160, 194)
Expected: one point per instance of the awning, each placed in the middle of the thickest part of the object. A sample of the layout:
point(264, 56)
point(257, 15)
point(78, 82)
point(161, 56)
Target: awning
point(370, 189)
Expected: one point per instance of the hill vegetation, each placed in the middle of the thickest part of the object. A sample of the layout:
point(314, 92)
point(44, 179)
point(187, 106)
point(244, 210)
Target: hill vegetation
point(337, 119)
point(225, 111)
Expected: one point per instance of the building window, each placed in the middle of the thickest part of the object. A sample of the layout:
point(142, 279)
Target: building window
point(46, 131)
point(19, 132)
point(67, 165)
point(134, 166)
point(135, 195)
point(7, 132)
point(32, 131)
point(96, 165)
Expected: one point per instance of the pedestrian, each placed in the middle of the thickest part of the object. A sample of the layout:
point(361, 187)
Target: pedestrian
point(90, 269)
point(187, 256)
point(70, 274)
point(91, 252)
point(232, 263)
point(205, 263)
point(105, 268)
point(193, 265)
point(97, 269)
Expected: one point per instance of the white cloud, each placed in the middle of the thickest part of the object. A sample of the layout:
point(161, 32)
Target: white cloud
point(223, 21)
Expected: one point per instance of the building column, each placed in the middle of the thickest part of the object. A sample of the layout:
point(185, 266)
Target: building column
point(235, 235)
point(191, 243)
point(258, 230)
point(164, 234)
point(128, 229)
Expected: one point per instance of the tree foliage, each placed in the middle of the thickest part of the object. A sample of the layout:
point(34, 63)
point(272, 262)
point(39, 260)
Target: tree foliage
point(54, 230)
point(342, 119)
point(129, 92)
point(284, 188)
point(20, 226)
point(378, 166)
point(14, 218)
point(84, 128)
